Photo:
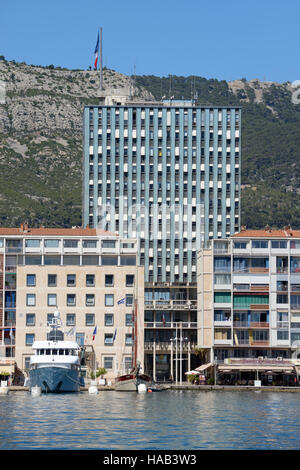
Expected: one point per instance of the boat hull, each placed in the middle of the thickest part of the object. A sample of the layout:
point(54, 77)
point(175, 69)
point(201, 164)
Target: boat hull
point(55, 379)
point(130, 383)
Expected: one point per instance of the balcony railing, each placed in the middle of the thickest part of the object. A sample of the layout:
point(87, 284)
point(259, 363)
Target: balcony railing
point(171, 304)
point(160, 324)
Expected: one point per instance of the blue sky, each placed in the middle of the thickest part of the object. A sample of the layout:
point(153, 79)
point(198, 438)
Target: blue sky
point(221, 39)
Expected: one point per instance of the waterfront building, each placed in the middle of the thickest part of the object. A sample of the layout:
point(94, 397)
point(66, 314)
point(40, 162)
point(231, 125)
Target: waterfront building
point(168, 174)
point(249, 296)
point(91, 276)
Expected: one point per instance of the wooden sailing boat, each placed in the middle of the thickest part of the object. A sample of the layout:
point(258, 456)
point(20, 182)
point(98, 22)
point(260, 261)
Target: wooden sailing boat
point(130, 382)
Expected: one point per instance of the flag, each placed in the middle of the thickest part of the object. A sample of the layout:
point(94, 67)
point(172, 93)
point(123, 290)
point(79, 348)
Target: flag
point(96, 52)
point(115, 334)
point(71, 332)
point(164, 319)
point(121, 301)
point(94, 332)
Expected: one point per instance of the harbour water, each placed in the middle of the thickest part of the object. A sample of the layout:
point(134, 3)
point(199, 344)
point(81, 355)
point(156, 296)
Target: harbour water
point(165, 420)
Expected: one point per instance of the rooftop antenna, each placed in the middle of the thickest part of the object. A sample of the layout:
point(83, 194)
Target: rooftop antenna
point(170, 86)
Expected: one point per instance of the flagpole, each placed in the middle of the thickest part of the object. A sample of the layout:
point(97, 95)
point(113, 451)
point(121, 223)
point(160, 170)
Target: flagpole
point(101, 65)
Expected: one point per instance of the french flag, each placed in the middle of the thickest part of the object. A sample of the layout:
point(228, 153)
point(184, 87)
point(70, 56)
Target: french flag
point(94, 333)
point(96, 52)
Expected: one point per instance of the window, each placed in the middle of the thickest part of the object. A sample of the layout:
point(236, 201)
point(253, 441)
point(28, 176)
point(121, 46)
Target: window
point(32, 243)
point(128, 260)
point(109, 280)
point(90, 280)
point(70, 243)
point(295, 244)
point(108, 339)
point(108, 319)
point(71, 319)
point(71, 280)
point(51, 280)
point(71, 299)
point(1, 242)
point(279, 244)
point(222, 264)
point(128, 319)
point(52, 260)
point(283, 334)
point(30, 300)
point(129, 300)
point(109, 260)
point(260, 243)
point(128, 339)
point(89, 243)
point(222, 279)
point(108, 362)
point(80, 339)
point(108, 243)
point(222, 297)
point(29, 339)
point(90, 300)
point(51, 243)
point(30, 319)
point(89, 319)
point(52, 300)
point(127, 363)
point(129, 280)
point(109, 300)
point(33, 260)
point(90, 260)
point(30, 280)
point(282, 299)
point(240, 245)
point(71, 260)
point(50, 317)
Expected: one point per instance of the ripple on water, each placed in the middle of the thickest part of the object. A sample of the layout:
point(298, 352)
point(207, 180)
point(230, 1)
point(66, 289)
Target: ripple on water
point(167, 420)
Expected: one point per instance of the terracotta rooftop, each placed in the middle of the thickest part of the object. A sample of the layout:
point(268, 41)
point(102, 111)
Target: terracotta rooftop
point(75, 231)
point(268, 232)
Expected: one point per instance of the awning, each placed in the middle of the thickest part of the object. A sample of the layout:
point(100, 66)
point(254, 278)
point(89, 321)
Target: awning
point(204, 367)
point(192, 372)
point(259, 367)
point(7, 368)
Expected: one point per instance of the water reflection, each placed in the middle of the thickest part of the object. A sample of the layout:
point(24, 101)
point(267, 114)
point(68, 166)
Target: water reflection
point(166, 420)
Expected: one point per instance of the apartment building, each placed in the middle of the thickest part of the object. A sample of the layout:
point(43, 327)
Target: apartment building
point(249, 295)
point(90, 276)
point(168, 174)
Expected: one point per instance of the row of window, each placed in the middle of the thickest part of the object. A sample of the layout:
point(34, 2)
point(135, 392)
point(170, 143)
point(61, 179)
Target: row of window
point(89, 319)
point(108, 362)
point(294, 244)
point(71, 300)
point(55, 243)
point(109, 339)
point(71, 280)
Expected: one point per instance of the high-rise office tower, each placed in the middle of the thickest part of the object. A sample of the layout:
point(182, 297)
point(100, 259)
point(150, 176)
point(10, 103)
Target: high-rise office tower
point(168, 174)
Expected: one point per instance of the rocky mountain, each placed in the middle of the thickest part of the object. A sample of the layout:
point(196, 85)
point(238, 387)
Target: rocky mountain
point(41, 140)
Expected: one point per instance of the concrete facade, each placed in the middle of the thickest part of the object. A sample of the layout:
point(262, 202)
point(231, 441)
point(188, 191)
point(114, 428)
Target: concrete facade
point(84, 281)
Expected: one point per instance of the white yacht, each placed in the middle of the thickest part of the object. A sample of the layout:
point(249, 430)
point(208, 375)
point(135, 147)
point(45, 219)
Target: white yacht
point(55, 364)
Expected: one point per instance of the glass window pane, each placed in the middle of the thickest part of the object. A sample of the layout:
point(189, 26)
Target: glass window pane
point(51, 243)
point(30, 279)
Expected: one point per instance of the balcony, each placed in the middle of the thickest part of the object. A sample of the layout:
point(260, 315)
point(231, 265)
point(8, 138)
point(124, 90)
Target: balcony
point(171, 304)
point(160, 324)
point(261, 324)
point(168, 346)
